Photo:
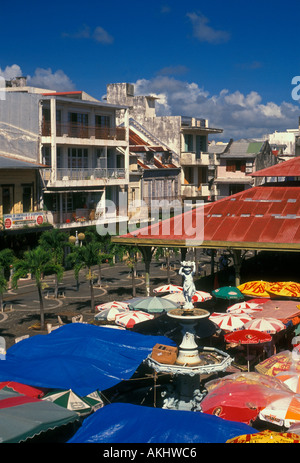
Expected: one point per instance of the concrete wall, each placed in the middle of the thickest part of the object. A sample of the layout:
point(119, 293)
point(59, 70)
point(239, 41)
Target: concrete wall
point(19, 125)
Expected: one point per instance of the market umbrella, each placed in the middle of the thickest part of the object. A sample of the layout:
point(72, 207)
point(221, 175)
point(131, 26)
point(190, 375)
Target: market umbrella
point(239, 401)
point(23, 417)
point(94, 399)
point(290, 378)
point(255, 288)
point(229, 322)
point(201, 296)
point(244, 307)
point(267, 325)
point(277, 363)
point(129, 319)
point(177, 298)
point(112, 305)
point(69, 400)
point(153, 305)
point(109, 314)
point(227, 292)
point(282, 412)
point(266, 437)
point(30, 391)
point(168, 289)
point(284, 288)
point(248, 337)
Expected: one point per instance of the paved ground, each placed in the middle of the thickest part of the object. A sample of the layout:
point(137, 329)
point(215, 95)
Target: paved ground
point(22, 314)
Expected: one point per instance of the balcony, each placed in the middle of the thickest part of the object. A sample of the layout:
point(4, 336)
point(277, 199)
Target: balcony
point(85, 132)
point(84, 218)
point(193, 159)
point(195, 191)
point(85, 176)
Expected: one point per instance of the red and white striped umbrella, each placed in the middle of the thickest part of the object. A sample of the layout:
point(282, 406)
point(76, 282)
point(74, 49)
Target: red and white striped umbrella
point(168, 289)
point(129, 319)
point(244, 307)
point(112, 305)
point(229, 322)
point(267, 325)
point(201, 296)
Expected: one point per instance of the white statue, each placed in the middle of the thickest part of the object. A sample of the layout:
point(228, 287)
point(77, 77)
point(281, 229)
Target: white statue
point(187, 270)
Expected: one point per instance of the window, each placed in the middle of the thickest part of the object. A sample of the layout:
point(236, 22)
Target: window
point(78, 125)
point(27, 198)
point(103, 125)
point(201, 144)
point(235, 165)
point(188, 142)
point(7, 199)
point(77, 158)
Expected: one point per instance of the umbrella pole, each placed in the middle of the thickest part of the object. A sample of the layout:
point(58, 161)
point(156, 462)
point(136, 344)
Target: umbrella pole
point(154, 392)
point(248, 361)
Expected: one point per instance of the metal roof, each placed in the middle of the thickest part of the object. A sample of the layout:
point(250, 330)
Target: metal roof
point(263, 217)
point(290, 168)
point(13, 163)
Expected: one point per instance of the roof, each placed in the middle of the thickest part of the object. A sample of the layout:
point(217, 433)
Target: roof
point(247, 149)
point(264, 217)
point(13, 163)
point(290, 168)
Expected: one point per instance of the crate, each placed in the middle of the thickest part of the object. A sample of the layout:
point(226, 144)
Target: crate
point(164, 354)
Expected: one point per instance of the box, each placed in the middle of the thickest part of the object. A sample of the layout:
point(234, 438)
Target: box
point(164, 354)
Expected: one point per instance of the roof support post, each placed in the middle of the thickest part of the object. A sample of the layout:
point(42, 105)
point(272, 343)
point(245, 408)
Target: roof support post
point(147, 253)
point(237, 261)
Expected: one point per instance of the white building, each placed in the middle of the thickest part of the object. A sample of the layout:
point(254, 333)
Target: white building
point(77, 137)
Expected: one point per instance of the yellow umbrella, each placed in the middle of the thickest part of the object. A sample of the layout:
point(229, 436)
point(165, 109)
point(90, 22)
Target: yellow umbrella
point(255, 288)
point(264, 437)
point(278, 363)
point(284, 288)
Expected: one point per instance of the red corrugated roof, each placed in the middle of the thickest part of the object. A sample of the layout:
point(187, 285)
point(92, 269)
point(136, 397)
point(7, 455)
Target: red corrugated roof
point(62, 93)
point(290, 168)
point(264, 217)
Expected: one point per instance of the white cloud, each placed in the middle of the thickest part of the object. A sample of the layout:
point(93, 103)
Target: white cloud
point(239, 115)
point(45, 78)
point(10, 72)
point(205, 33)
point(42, 78)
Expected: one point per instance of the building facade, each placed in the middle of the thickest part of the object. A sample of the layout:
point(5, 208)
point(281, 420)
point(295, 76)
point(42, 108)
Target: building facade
point(186, 137)
point(77, 138)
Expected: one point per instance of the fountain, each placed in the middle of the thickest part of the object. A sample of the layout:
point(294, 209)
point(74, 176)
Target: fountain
point(190, 361)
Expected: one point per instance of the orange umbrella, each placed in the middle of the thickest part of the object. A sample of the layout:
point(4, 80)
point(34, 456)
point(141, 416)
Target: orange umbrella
point(255, 288)
point(284, 288)
point(265, 437)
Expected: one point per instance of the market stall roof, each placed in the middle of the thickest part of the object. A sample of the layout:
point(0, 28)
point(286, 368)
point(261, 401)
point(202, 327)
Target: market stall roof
point(290, 168)
point(264, 217)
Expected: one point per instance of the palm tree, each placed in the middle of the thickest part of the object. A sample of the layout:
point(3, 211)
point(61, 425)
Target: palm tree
point(54, 241)
point(6, 260)
point(106, 250)
point(37, 262)
point(86, 256)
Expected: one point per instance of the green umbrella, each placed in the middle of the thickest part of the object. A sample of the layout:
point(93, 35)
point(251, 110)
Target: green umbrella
point(23, 417)
point(94, 400)
point(153, 305)
point(227, 292)
point(68, 399)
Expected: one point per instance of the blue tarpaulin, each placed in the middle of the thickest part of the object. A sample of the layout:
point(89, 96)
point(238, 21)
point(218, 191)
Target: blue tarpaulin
point(127, 423)
point(78, 356)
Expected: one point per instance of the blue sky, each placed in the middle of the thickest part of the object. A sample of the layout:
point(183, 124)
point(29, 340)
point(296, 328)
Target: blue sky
point(231, 62)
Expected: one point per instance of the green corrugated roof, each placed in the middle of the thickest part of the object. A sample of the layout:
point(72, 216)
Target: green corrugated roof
point(254, 147)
